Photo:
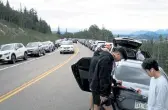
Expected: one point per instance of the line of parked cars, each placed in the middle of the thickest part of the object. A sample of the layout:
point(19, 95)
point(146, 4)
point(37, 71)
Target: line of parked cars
point(15, 51)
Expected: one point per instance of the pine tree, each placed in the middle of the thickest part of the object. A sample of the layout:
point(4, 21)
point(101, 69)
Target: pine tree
point(58, 31)
point(7, 4)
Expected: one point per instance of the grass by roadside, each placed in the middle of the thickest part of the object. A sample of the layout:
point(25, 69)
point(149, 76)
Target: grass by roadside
point(10, 33)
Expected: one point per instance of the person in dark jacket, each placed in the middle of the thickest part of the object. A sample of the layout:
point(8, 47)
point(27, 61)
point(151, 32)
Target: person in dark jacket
point(101, 80)
point(93, 63)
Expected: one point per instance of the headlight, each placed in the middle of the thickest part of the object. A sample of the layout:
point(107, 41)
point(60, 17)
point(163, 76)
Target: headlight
point(7, 53)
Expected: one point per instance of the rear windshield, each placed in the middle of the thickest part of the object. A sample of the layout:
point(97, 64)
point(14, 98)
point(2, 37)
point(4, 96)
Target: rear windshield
point(67, 43)
point(132, 74)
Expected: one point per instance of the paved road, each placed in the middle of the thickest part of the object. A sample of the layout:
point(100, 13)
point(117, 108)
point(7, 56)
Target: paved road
point(43, 84)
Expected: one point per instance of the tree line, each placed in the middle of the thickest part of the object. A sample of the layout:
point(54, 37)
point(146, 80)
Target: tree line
point(93, 32)
point(158, 50)
point(23, 18)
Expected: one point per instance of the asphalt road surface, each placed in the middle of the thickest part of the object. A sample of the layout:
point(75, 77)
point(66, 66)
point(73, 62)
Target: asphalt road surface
point(44, 83)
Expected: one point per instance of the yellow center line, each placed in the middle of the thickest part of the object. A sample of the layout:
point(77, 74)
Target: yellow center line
point(34, 80)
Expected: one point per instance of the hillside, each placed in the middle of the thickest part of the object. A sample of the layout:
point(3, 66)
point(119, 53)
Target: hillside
point(10, 33)
point(150, 34)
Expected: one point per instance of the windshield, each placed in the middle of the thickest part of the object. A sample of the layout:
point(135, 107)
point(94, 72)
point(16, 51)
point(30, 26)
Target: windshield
point(132, 74)
point(45, 43)
point(66, 43)
point(7, 47)
point(33, 44)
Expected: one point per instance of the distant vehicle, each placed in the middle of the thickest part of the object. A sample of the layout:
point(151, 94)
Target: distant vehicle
point(99, 45)
point(74, 41)
point(35, 49)
point(67, 47)
point(12, 52)
point(98, 41)
point(48, 46)
point(131, 46)
point(58, 43)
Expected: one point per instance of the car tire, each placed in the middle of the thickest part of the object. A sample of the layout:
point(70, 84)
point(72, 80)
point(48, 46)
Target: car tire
point(60, 52)
point(44, 53)
point(39, 54)
point(13, 59)
point(50, 50)
point(25, 56)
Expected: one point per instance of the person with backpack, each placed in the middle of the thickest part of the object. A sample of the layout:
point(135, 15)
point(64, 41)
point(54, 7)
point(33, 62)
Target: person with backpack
point(158, 90)
point(100, 84)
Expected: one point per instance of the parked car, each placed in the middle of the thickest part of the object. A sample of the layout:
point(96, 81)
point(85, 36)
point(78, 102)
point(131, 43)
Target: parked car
point(67, 47)
point(35, 49)
point(129, 72)
point(48, 46)
point(74, 40)
point(98, 45)
point(12, 52)
point(57, 43)
point(131, 46)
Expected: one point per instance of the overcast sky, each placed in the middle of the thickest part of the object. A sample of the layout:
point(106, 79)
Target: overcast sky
point(113, 14)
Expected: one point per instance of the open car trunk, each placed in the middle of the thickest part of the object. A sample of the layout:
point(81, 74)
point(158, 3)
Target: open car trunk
point(127, 42)
point(81, 73)
point(131, 46)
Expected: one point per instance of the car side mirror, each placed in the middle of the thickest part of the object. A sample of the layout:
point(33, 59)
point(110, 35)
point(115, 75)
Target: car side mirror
point(16, 48)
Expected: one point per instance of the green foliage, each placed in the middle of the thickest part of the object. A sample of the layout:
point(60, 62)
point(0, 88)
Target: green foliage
point(25, 19)
point(159, 51)
point(10, 32)
point(94, 32)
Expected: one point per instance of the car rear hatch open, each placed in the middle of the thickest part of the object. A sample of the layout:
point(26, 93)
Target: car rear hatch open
point(127, 42)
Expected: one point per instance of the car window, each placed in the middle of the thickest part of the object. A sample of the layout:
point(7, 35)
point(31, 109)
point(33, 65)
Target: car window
point(32, 44)
point(19, 45)
point(132, 74)
point(7, 47)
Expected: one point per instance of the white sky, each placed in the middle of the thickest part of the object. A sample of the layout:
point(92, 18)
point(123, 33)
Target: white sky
point(113, 14)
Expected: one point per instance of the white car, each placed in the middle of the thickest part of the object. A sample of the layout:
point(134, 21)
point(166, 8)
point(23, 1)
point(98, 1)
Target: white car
point(67, 47)
point(12, 52)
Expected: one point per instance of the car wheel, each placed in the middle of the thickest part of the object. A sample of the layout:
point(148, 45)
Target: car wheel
point(50, 50)
point(13, 59)
point(25, 56)
point(44, 52)
point(39, 53)
point(60, 52)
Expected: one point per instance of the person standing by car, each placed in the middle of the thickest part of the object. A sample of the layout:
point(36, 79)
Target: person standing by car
point(93, 63)
point(139, 55)
point(101, 81)
point(158, 90)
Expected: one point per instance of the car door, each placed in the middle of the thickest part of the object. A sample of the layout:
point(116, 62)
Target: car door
point(22, 49)
point(40, 46)
point(17, 51)
point(81, 73)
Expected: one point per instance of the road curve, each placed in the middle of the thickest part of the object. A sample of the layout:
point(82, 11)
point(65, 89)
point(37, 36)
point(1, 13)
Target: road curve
point(56, 90)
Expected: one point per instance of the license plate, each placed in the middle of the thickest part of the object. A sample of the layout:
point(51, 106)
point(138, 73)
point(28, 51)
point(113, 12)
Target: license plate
point(140, 105)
